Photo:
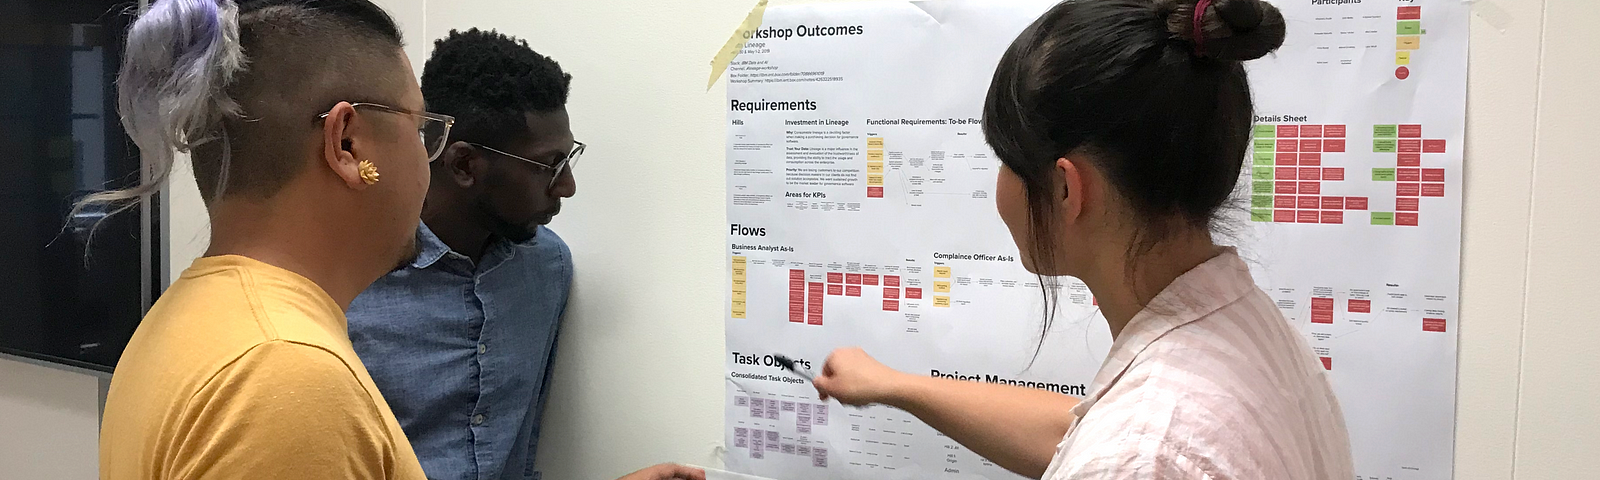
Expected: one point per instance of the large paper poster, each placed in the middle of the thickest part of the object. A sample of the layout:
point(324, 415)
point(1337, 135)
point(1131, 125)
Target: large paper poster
point(861, 213)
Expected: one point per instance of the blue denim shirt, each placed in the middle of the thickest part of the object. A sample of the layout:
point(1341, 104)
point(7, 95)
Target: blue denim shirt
point(462, 352)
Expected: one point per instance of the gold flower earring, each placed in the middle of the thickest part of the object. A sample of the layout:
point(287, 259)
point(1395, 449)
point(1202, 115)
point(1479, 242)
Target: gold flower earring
point(369, 173)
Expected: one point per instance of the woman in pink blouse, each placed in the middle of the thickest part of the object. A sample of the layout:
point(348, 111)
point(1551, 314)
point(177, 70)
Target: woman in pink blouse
point(1123, 126)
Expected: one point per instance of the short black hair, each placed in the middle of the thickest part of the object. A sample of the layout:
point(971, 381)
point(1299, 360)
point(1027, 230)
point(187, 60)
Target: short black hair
point(488, 81)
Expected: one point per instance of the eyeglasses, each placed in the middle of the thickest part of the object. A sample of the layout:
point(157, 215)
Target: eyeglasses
point(434, 130)
point(559, 168)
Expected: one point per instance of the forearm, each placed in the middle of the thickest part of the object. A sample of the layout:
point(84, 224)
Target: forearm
point(1015, 427)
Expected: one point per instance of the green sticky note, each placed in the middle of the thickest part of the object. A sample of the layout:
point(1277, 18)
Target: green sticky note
point(1410, 27)
point(1264, 158)
point(1261, 187)
point(1260, 215)
point(1385, 145)
point(1265, 131)
point(1265, 145)
point(1385, 131)
point(1261, 173)
point(1383, 218)
point(1383, 175)
point(1261, 201)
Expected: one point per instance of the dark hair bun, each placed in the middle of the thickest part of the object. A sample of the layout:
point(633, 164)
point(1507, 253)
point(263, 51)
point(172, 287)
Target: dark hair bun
point(1233, 30)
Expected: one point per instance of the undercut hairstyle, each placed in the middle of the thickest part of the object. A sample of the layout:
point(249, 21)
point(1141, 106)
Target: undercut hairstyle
point(1150, 93)
point(239, 87)
point(488, 81)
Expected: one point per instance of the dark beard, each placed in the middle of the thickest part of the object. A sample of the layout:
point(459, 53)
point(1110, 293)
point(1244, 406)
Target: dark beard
point(409, 254)
point(498, 225)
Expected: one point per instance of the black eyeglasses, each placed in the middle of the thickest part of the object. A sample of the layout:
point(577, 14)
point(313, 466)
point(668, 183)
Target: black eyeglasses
point(434, 130)
point(559, 168)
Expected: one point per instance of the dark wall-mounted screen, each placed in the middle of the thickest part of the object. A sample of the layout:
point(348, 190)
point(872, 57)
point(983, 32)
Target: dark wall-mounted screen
point(61, 299)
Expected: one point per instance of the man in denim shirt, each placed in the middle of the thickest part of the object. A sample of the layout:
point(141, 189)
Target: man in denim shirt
point(460, 341)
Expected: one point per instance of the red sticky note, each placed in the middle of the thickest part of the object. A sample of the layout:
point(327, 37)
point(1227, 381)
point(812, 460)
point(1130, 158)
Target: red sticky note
point(1311, 145)
point(1310, 188)
point(1322, 317)
point(1285, 159)
point(913, 293)
point(1283, 201)
point(1333, 217)
point(891, 292)
point(835, 277)
point(1327, 363)
point(1410, 145)
point(1410, 160)
point(1433, 174)
point(1407, 189)
point(1333, 131)
point(1406, 219)
point(1308, 216)
point(1311, 131)
point(852, 278)
point(1409, 13)
point(1360, 306)
point(874, 192)
point(1433, 146)
point(1311, 173)
point(835, 289)
point(1433, 325)
point(1288, 131)
point(1406, 204)
point(852, 290)
point(1310, 159)
point(1333, 203)
point(1283, 216)
point(1411, 131)
point(1286, 173)
point(1408, 174)
point(1355, 203)
point(891, 280)
point(1433, 189)
point(1333, 145)
point(1321, 304)
point(1285, 188)
point(1333, 174)
point(1288, 145)
point(891, 305)
point(797, 275)
point(869, 279)
point(1309, 202)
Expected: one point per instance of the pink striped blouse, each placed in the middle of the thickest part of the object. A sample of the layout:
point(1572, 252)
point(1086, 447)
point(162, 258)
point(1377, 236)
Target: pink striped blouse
point(1209, 382)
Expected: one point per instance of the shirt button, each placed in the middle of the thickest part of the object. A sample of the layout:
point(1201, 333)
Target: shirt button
point(482, 349)
point(477, 419)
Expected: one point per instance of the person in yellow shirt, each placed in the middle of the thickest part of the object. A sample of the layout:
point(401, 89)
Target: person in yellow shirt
point(305, 127)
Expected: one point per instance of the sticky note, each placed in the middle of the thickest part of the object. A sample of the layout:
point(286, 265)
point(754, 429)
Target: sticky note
point(941, 272)
point(875, 180)
point(1265, 131)
point(941, 287)
point(1383, 218)
point(1261, 215)
point(1407, 43)
point(1261, 201)
point(1261, 173)
point(1383, 175)
point(1265, 144)
point(739, 295)
point(874, 155)
point(875, 142)
point(874, 167)
point(1408, 27)
point(1261, 187)
point(1385, 131)
point(941, 302)
point(1385, 145)
point(1402, 57)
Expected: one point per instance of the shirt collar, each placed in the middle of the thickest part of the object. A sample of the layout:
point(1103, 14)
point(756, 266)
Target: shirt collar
point(1202, 290)
point(429, 248)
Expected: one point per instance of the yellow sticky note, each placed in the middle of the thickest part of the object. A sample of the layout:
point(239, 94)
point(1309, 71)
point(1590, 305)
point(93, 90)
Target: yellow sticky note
point(1402, 57)
point(738, 272)
point(941, 301)
point(941, 272)
point(739, 296)
point(752, 22)
point(738, 284)
point(875, 142)
point(737, 260)
point(738, 305)
point(874, 167)
point(941, 287)
point(738, 314)
point(875, 180)
point(1408, 43)
point(874, 155)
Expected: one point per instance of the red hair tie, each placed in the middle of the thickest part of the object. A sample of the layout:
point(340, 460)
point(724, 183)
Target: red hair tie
point(1199, 27)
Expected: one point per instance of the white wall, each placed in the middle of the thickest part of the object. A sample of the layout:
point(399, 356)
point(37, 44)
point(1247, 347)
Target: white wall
point(639, 373)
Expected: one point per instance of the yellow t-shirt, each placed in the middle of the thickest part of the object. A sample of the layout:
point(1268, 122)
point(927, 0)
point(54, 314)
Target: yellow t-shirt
point(245, 370)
